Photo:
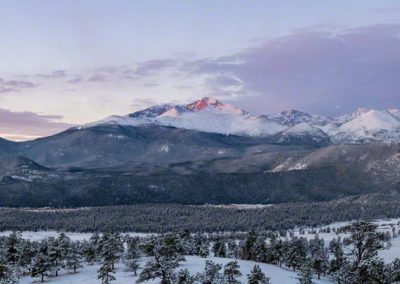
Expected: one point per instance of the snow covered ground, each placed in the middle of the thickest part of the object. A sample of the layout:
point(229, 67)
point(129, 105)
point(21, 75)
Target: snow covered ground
point(195, 264)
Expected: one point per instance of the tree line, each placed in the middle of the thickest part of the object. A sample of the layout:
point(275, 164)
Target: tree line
point(160, 218)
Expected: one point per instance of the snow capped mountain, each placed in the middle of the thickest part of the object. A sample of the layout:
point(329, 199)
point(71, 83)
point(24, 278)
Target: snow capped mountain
point(211, 103)
point(293, 117)
point(292, 126)
point(304, 133)
point(395, 112)
point(347, 117)
point(215, 120)
point(206, 114)
point(369, 126)
point(151, 112)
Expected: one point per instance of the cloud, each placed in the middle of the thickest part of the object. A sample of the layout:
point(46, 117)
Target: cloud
point(312, 71)
point(59, 74)
point(113, 69)
point(97, 78)
point(54, 75)
point(135, 72)
point(75, 80)
point(25, 125)
point(4, 90)
point(13, 86)
point(151, 67)
point(18, 84)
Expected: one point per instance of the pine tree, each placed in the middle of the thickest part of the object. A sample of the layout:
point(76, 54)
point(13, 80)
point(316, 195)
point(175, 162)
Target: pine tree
point(89, 252)
point(186, 245)
point(64, 243)
point(211, 274)
point(319, 255)
point(41, 264)
point(231, 272)
point(105, 273)
point(55, 255)
point(305, 275)
point(6, 273)
point(132, 265)
point(165, 258)
point(256, 276)
point(336, 249)
point(232, 249)
point(365, 240)
point(73, 259)
point(95, 241)
point(219, 248)
point(247, 249)
point(132, 249)
point(201, 246)
point(12, 247)
point(295, 252)
point(277, 251)
point(27, 254)
point(260, 250)
point(110, 248)
point(184, 277)
point(131, 257)
point(395, 271)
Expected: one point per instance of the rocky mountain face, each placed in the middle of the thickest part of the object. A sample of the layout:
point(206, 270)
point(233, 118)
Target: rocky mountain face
point(204, 152)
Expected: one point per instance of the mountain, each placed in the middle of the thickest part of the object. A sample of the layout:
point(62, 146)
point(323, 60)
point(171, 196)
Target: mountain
point(142, 148)
point(7, 148)
point(251, 172)
point(206, 114)
point(205, 152)
point(369, 126)
point(211, 115)
point(23, 169)
point(294, 117)
point(303, 133)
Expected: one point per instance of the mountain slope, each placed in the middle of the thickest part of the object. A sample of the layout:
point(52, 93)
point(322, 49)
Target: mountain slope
point(303, 134)
point(369, 126)
point(142, 148)
point(23, 169)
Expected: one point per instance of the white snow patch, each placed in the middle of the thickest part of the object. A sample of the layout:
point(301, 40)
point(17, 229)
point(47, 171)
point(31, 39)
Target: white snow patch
point(164, 148)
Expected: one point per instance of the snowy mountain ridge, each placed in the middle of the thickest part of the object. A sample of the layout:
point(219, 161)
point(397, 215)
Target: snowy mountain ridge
point(210, 115)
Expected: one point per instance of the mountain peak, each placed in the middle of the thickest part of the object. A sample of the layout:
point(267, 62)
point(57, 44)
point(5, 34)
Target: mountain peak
point(214, 104)
point(204, 103)
point(360, 111)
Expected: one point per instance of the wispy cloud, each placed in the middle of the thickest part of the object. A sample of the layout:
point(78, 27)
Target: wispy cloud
point(18, 84)
point(53, 75)
point(152, 66)
point(10, 86)
point(97, 78)
point(75, 80)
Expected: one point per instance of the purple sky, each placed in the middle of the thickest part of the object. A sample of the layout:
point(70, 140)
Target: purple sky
point(65, 63)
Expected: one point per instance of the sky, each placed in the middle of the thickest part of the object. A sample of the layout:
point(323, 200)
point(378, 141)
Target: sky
point(66, 62)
